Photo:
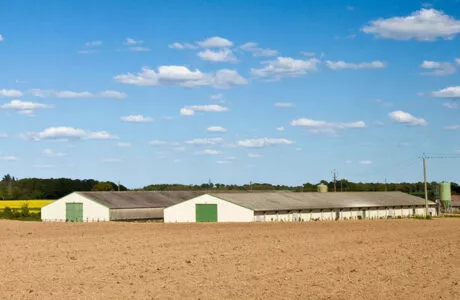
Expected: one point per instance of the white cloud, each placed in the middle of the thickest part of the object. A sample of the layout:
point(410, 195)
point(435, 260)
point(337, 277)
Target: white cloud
point(224, 55)
point(182, 76)
point(1, 38)
point(326, 127)
point(3, 135)
point(139, 49)
point(9, 158)
point(25, 107)
point(438, 68)
point(263, 142)
point(285, 67)
point(216, 97)
point(177, 160)
point(131, 42)
point(136, 119)
point(205, 141)
point(43, 166)
point(258, 52)
point(308, 54)
point(365, 162)
point(68, 133)
point(406, 118)
point(383, 103)
point(280, 128)
point(123, 145)
point(100, 135)
point(112, 160)
point(452, 127)
point(449, 92)
point(93, 43)
point(157, 143)
point(350, 8)
point(51, 153)
point(216, 129)
point(457, 61)
point(191, 110)
point(284, 104)
point(10, 93)
point(422, 25)
point(451, 105)
point(92, 51)
point(254, 155)
point(340, 65)
point(222, 162)
point(109, 94)
point(182, 46)
point(179, 149)
point(211, 152)
point(215, 42)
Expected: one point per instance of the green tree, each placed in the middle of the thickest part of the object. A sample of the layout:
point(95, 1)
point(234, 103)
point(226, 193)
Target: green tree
point(103, 186)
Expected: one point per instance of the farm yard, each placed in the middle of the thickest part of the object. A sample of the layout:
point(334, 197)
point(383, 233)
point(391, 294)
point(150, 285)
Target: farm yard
point(382, 259)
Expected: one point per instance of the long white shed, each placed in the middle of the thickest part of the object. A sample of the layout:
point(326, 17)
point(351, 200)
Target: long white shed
point(289, 206)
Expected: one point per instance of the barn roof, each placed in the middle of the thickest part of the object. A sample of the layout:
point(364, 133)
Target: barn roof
point(294, 201)
point(140, 199)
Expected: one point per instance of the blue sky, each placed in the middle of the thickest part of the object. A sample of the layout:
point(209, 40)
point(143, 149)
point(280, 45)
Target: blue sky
point(236, 91)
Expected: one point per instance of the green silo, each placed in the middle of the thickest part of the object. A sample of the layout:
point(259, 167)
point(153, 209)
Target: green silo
point(445, 194)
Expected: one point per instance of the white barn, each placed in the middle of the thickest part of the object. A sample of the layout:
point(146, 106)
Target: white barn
point(289, 206)
point(112, 206)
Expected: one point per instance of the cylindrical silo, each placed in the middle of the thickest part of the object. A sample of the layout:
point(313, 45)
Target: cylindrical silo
point(322, 188)
point(445, 193)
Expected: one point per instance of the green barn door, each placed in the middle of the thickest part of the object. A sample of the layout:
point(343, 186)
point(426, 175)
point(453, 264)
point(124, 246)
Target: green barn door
point(74, 212)
point(206, 212)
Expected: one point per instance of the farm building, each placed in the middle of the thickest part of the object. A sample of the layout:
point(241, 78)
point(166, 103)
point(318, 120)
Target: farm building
point(288, 206)
point(108, 206)
point(455, 203)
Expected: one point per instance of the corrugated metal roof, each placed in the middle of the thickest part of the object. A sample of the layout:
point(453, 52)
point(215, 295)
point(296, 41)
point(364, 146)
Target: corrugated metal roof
point(140, 199)
point(294, 201)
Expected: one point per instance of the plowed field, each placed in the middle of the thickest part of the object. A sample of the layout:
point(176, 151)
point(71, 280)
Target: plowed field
point(381, 259)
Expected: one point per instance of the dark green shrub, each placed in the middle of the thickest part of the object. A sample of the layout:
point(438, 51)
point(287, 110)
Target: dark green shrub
point(25, 210)
point(7, 213)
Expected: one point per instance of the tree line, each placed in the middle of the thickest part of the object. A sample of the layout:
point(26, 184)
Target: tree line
point(12, 188)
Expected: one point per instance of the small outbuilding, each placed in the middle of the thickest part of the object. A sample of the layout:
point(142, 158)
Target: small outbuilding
point(111, 206)
point(289, 206)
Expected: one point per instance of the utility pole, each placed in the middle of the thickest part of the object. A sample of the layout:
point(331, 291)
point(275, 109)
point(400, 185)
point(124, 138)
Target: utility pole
point(386, 190)
point(426, 186)
point(118, 185)
point(334, 174)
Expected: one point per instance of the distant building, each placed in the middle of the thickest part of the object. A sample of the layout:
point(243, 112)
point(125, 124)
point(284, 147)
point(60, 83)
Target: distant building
point(112, 206)
point(190, 206)
point(455, 205)
point(290, 207)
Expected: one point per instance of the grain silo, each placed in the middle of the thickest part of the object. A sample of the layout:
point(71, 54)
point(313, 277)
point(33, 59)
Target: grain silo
point(445, 194)
point(322, 188)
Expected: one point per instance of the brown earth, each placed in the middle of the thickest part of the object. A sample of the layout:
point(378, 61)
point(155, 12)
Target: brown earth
point(382, 259)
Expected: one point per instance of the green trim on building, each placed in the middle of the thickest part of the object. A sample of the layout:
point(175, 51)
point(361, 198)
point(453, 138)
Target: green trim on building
point(206, 212)
point(74, 212)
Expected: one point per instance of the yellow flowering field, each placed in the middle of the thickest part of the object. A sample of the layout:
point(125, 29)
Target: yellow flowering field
point(15, 204)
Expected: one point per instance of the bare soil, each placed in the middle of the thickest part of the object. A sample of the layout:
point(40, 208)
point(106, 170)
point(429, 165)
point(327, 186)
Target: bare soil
point(382, 259)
